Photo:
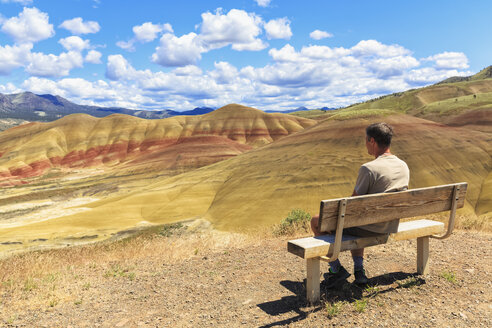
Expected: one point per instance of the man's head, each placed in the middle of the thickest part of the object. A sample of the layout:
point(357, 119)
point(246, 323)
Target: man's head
point(378, 138)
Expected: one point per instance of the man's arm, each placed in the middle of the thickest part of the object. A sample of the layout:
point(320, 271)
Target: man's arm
point(354, 193)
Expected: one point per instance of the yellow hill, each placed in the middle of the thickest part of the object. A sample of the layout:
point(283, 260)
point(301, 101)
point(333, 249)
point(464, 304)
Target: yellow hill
point(260, 187)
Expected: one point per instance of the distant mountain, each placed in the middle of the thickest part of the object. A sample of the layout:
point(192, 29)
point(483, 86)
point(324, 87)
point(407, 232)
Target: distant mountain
point(196, 111)
point(32, 107)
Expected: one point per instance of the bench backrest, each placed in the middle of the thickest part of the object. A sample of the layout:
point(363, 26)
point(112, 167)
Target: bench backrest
point(375, 208)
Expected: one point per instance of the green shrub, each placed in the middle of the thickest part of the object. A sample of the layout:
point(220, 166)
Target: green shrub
point(360, 305)
point(332, 310)
point(296, 220)
point(170, 229)
point(449, 276)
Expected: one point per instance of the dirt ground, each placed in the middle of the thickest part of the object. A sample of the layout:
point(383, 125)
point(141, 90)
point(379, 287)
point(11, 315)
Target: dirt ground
point(250, 283)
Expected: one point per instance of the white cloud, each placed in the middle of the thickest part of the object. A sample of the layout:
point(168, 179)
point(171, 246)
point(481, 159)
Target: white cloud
point(174, 51)
point(429, 75)
point(237, 28)
point(318, 35)
point(9, 88)
point(286, 54)
point(376, 48)
point(93, 57)
point(74, 43)
point(255, 45)
point(127, 45)
point(52, 65)
point(188, 70)
point(339, 74)
point(312, 76)
point(449, 60)
point(78, 26)
point(41, 86)
point(263, 3)
point(278, 29)
point(224, 72)
point(119, 68)
point(144, 33)
point(148, 32)
point(324, 52)
point(294, 75)
point(22, 2)
point(31, 25)
point(78, 90)
point(12, 57)
point(386, 67)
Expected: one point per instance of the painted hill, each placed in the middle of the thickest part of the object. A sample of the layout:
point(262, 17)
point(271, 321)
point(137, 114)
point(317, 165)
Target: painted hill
point(46, 108)
point(81, 141)
point(260, 187)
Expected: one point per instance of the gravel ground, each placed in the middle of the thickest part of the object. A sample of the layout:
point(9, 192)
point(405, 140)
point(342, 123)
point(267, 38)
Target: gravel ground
point(260, 284)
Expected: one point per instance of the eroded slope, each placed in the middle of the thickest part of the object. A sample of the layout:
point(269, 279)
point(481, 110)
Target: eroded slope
point(82, 141)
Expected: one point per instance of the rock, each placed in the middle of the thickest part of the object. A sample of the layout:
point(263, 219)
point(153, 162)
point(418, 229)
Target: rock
point(122, 323)
point(249, 300)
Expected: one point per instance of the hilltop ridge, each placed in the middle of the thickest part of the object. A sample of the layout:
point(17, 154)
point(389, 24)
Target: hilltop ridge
point(460, 101)
point(485, 73)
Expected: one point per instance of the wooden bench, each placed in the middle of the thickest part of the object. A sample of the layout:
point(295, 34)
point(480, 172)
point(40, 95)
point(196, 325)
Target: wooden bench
point(337, 214)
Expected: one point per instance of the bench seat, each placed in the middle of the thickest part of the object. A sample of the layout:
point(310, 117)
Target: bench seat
point(311, 247)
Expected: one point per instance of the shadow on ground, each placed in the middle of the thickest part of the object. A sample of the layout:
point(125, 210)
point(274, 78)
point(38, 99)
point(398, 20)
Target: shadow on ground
point(344, 291)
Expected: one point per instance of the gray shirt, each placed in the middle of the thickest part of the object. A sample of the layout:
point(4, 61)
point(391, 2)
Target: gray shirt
point(387, 173)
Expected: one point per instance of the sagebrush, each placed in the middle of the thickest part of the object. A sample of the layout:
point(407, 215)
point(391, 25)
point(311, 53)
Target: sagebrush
point(297, 220)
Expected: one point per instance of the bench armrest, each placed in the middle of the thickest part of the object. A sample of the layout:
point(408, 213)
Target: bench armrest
point(452, 215)
point(339, 232)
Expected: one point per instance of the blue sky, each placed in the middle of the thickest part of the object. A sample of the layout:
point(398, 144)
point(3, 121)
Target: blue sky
point(265, 54)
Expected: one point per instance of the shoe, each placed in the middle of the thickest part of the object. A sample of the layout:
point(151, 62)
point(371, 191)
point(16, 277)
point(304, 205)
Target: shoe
point(360, 277)
point(332, 279)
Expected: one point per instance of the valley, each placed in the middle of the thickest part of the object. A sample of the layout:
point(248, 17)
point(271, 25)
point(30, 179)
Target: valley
point(82, 178)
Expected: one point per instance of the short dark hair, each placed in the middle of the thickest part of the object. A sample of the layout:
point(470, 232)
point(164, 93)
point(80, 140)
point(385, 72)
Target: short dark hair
point(381, 132)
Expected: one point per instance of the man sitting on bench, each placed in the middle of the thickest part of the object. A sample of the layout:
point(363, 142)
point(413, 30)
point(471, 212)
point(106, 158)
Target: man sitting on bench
point(386, 173)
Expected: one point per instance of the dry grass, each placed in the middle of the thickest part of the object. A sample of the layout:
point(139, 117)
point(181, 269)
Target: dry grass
point(44, 280)
point(40, 280)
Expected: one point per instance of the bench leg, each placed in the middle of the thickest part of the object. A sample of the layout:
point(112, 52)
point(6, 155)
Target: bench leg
point(312, 284)
point(422, 254)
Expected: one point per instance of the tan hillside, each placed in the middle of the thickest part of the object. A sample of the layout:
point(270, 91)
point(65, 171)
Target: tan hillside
point(260, 187)
point(437, 102)
point(81, 141)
